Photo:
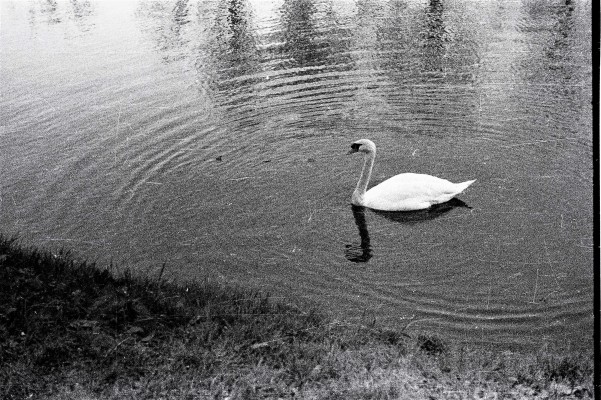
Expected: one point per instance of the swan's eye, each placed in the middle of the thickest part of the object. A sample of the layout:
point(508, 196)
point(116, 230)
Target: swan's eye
point(355, 146)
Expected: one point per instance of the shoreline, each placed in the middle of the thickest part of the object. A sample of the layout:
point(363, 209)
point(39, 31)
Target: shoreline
point(72, 329)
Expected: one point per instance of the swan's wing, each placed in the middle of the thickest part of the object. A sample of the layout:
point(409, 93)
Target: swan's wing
point(412, 186)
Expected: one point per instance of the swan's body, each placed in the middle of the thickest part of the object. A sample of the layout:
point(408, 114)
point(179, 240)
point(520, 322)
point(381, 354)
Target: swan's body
point(403, 192)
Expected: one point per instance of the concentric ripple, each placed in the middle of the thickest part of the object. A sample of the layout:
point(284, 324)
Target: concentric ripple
point(212, 136)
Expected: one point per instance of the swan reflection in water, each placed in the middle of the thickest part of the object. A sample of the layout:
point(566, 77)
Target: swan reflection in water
point(363, 252)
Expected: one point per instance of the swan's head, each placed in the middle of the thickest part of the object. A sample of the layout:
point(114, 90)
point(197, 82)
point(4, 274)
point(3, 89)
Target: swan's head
point(364, 146)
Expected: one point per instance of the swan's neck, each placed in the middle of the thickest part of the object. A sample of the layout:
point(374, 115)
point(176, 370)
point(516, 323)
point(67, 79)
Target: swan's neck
point(364, 179)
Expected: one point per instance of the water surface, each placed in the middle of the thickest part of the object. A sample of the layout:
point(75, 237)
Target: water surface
point(212, 136)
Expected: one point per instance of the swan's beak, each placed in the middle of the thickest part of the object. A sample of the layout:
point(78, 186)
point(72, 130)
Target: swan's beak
point(351, 151)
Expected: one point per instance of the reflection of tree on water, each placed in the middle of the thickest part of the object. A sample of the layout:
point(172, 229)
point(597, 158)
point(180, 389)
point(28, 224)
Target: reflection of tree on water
point(221, 43)
point(81, 10)
point(168, 22)
point(231, 46)
point(554, 65)
point(559, 45)
point(434, 37)
point(180, 15)
point(404, 33)
point(299, 30)
point(300, 37)
point(559, 51)
point(49, 9)
point(227, 43)
point(415, 49)
point(311, 36)
point(363, 252)
point(237, 37)
point(55, 13)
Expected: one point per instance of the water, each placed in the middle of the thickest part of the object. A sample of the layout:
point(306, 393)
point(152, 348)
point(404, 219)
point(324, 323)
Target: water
point(212, 136)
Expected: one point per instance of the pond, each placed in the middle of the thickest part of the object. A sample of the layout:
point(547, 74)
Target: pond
point(212, 136)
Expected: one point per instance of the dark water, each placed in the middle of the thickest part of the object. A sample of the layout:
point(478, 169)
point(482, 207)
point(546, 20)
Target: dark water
point(213, 135)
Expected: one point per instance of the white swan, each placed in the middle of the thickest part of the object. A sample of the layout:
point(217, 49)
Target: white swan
point(403, 192)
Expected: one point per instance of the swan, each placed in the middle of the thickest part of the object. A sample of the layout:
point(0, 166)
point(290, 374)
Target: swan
point(403, 192)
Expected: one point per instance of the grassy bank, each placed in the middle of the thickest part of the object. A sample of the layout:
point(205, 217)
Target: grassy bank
point(71, 330)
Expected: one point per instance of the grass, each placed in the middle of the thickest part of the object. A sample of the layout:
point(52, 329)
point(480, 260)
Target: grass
point(73, 330)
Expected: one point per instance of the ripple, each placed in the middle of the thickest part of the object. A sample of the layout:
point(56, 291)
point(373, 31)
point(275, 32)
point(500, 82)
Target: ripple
point(214, 139)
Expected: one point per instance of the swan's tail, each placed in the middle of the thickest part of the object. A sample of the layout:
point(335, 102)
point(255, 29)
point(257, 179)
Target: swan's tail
point(463, 185)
